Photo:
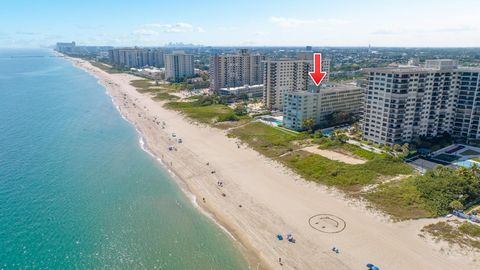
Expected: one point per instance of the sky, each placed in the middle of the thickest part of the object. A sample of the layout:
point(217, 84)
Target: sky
point(400, 23)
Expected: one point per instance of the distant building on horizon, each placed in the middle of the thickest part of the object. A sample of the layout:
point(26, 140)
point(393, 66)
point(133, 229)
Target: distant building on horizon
point(71, 48)
point(178, 65)
point(136, 57)
point(405, 103)
point(234, 70)
point(65, 47)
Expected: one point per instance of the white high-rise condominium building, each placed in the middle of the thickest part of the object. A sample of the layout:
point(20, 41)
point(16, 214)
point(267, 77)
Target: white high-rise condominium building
point(402, 104)
point(178, 65)
point(281, 76)
point(302, 105)
point(288, 75)
point(65, 47)
point(235, 70)
point(136, 57)
point(326, 63)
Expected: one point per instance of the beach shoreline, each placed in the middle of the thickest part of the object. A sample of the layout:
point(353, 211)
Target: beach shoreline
point(261, 198)
point(255, 262)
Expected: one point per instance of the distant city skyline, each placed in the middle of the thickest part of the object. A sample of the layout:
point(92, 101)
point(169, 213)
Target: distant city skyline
point(406, 23)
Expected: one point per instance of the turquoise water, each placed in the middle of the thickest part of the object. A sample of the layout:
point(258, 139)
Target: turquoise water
point(327, 132)
point(466, 163)
point(77, 191)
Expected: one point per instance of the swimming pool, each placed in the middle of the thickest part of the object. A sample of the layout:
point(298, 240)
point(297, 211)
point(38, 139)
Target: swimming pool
point(277, 122)
point(327, 132)
point(272, 120)
point(466, 163)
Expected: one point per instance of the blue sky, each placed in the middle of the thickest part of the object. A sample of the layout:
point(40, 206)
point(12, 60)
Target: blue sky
point(426, 23)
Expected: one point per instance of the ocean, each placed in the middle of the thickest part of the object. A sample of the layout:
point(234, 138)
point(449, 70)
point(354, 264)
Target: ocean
point(76, 189)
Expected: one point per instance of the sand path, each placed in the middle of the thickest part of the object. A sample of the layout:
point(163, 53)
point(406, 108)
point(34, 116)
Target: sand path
point(334, 155)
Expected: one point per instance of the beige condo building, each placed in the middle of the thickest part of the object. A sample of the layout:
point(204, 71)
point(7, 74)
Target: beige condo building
point(235, 70)
point(319, 104)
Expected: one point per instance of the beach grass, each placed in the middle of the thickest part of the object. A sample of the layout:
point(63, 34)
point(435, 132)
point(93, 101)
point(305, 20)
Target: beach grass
point(270, 141)
point(158, 91)
point(463, 234)
point(165, 96)
point(105, 67)
point(143, 85)
point(401, 200)
point(472, 230)
point(346, 148)
point(348, 177)
point(283, 146)
point(204, 114)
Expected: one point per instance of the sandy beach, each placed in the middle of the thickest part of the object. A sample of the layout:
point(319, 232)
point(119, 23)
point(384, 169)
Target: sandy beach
point(259, 198)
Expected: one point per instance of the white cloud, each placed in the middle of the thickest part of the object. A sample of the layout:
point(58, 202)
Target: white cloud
point(145, 32)
point(180, 27)
point(293, 22)
point(423, 30)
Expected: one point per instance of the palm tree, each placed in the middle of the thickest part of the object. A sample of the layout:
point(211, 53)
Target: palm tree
point(308, 124)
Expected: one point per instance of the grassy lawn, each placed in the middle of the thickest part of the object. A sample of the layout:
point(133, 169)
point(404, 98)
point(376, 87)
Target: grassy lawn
point(427, 195)
point(165, 96)
point(105, 67)
point(346, 148)
point(416, 196)
point(275, 142)
point(268, 140)
point(464, 234)
point(470, 229)
point(147, 86)
point(233, 124)
point(347, 177)
point(401, 200)
point(446, 157)
point(143, 85)
point(185, 86)
point(469, 152)
point(204, 114)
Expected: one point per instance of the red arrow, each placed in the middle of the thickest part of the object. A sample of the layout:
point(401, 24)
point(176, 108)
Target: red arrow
point(317, 75)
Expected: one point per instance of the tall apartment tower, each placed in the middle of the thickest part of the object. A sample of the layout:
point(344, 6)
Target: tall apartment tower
point(402, 104)
point(65, 47)
point(178, 65)
point(289, 75)
point(281, 76)
point(136, 57)
point(235, 70)
point(326, 63)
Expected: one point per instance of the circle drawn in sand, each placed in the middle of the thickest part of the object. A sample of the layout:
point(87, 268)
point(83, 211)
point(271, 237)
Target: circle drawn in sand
point(327, 223)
